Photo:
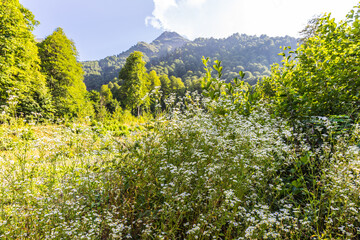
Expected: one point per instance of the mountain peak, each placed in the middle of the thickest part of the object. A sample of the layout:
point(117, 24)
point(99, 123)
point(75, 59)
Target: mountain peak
point(169, 41)
point(167, 35)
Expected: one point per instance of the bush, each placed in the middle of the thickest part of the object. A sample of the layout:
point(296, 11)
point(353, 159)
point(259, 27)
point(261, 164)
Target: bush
point(321, 77)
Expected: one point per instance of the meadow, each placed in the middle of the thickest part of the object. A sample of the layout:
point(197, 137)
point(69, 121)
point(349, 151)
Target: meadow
point(187, 174)
point(159, 157)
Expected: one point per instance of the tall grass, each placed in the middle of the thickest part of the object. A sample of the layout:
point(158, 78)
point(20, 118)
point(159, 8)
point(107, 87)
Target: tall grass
point(190, 174)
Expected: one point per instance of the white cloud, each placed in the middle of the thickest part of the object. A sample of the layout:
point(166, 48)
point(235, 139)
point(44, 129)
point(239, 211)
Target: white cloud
point(221, 18)
point(195, 3)
point(153, 22)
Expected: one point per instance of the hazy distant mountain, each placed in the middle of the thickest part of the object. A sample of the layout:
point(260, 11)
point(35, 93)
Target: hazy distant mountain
point(172, 54)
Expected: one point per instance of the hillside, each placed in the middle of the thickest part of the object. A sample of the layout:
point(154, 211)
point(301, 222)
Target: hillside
point(103, 71)
point(251, 54)
point(149, 157)
point(176, 56)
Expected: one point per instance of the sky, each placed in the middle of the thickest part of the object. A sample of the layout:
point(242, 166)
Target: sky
point(102, 28)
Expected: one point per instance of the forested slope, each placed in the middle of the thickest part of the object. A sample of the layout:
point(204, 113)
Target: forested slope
point(98, 73)
point(173, 55)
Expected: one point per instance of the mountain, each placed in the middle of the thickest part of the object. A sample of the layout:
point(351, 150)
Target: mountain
point(98, 73)
point(174, 55)
point(166, 42)
point(239, 52)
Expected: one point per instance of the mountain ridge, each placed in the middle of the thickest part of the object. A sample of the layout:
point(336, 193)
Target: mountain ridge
point(166, 42)
point(174, 55)
point(99, 72)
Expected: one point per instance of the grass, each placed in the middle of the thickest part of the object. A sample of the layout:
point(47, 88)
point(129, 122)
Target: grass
point(190, 174)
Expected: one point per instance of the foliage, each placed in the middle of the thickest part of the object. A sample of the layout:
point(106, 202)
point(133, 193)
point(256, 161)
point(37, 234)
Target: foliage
point(213, 166)
point(138, 90)
point(64, 75)
point(107, 101)
point(321, 77)
point(192, 174)
point(20, 76)
point(237, 52)
point(177, 86)
point(310, 29)
point(133, 89)
point(98, 73)
point(172, 55)
point(236, 96)
point(165, 86)
point(154, 90)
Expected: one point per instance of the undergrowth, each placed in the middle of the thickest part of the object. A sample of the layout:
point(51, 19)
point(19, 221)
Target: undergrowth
point(189, 174)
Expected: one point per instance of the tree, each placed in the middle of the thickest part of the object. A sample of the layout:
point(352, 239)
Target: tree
point(320, 78)
point(133, 89)
point(107, 100)
point(236, 50)
point(20, 75)
point(177, 85)
point(310, 29)
point(94, 98)
point(153, 88)
point(165, 86)
point(105, 94)
point(154, 82)
point(64, 75)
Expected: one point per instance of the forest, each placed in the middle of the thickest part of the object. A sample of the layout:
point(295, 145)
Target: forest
point(181, 139)
point(174, 55)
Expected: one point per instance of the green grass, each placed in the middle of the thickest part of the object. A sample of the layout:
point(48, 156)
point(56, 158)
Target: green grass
point(190, 174)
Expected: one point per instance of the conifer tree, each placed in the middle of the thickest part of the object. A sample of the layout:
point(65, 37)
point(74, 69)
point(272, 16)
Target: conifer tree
point(64, 75)
point(20, 76)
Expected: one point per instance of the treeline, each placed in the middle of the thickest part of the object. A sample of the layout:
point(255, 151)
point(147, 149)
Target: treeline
point(38, 79)
point(251, 54)
point(98, 73)
point(320, 77)
point(173, 55)
point(44, 80)
point(136, 89)
point(317, 80)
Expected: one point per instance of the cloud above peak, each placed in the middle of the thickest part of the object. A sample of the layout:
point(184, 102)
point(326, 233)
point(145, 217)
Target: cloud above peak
point(193, 18)
point(214, 18)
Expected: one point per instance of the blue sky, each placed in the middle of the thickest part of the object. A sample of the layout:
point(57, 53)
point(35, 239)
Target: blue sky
point(99, 28)
point(102, 28)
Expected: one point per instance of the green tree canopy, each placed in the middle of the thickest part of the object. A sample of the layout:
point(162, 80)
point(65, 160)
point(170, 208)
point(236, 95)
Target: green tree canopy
point(183, 56)
point(105, 94)
point(321, 78)
point(133, 89)
point(165, 86)
point(153, 81)
point(153, 88)
point(20, 74)
point(177, 85)
point(64, 74)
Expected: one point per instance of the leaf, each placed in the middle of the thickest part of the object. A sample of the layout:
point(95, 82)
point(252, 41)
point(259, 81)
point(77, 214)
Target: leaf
point(242, 74)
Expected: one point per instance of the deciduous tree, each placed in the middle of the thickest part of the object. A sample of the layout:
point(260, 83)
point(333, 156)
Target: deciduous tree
point(133, 89)
point(20, 75)
point(320, 78)
point(64, 75)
